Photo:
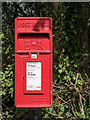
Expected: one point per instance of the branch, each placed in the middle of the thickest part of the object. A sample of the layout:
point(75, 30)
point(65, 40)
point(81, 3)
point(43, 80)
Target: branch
point(55, 115)
point(63, 103)
point(61, 99)
point(73, 111)
point(81, 105)
point(76, 78)
point(8, 108)
point(78, 91)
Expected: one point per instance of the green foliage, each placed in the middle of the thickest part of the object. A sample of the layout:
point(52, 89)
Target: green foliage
point(71, 59)
point(1, 35)
point(7, 82)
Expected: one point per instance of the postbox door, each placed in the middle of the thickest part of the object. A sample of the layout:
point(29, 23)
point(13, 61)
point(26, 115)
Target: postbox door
point(43, 96)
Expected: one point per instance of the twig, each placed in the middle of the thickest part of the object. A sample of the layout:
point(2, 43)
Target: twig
point(78, 91)
point(63, 103)
point(7, 108)
point(82, 78)
point(81, 105)
point(86, 75)
point(4, 98)
point(62, 99)
point(9, 115)
point(73, 111)
point(59, 92)
point(56, 86)
point(55, 115)
point(76, 78)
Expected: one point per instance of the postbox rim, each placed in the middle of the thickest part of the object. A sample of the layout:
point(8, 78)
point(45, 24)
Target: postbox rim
point(26, 18)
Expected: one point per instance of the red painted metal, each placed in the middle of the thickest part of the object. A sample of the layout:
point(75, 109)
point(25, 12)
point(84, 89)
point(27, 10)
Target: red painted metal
point(33, 35)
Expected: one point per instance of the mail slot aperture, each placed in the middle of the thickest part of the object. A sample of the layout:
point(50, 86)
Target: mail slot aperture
point(33, 41)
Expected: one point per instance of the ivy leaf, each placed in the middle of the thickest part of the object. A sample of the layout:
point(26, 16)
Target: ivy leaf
point(75, 65)
point(79, 82)
point(68, 114)
point(60, 71)
point(62, 108)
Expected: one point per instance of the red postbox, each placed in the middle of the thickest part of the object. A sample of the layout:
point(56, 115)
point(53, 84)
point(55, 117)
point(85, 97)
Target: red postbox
point(33, 62)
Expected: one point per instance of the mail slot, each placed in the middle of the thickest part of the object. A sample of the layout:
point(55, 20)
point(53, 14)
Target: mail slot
point(33, 62)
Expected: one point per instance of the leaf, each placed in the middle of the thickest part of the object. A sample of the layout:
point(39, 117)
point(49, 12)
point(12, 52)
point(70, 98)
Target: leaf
point(68, 114)
point(67, 106)
point(65, 77)
point(1, 35)
point(75, 65)
point(63, 50)
point(79, 82)
point(9, 65)
point(51, 109)
point(58, 76)
point(3, 92)
point(60, 65)
point(61, 113)
point(3, 76)
point(0, 93)
point(62, 108)
point(54, 112)
point(60, 71)
point(6, 112)
point(46, 115)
